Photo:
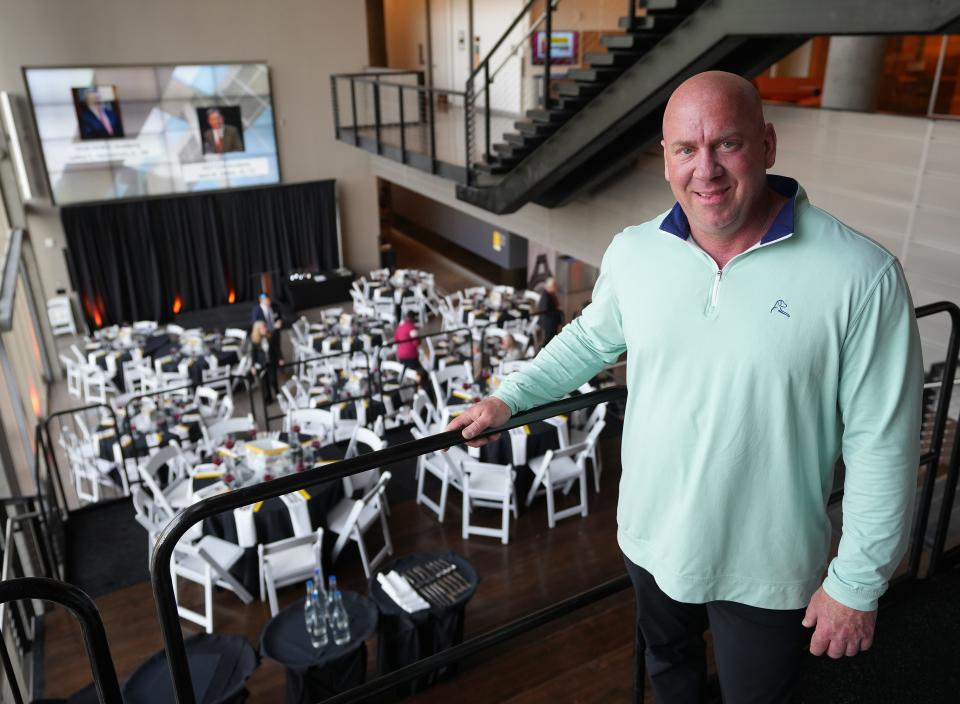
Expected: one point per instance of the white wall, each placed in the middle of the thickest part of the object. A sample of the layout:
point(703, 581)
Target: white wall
point(896, 179)
point(303, 41)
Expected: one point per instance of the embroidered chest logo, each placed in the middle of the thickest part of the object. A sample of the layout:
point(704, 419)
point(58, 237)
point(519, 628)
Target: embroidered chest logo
point(781, 307)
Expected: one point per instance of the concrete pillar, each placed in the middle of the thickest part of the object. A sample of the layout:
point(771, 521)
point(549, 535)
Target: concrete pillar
point(854, 66)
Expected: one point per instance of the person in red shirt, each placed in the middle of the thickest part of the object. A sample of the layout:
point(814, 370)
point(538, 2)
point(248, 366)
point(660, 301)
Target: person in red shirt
point(408, 343)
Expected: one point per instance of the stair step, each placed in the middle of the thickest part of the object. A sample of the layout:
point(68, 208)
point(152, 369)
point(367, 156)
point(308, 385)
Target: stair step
point(552, 115)
point(524, 139)
point(493, 169)
point(509, 150)
point(612, 58)
point(536, 129)
point(571, 103)
point(580, 89)
point(660, 21)
point(595, 75)
point(631, 42)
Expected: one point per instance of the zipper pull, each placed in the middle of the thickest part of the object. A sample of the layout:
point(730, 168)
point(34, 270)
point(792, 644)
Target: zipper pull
point(716, 289)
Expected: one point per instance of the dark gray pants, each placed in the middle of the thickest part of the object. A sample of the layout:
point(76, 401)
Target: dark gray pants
point(758, 651)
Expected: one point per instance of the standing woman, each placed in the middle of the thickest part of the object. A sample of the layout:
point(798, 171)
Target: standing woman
point(259, 351)
point(549, 307)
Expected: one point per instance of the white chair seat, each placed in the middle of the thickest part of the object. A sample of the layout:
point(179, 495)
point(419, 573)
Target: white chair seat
point(222, 551)
point(486, 485)
point(289, 563)
point(337, 518)
point(561, 469)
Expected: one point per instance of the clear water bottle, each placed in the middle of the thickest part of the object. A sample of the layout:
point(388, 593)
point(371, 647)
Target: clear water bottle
point(314, 618)
point(331, 591)
point(339, 621)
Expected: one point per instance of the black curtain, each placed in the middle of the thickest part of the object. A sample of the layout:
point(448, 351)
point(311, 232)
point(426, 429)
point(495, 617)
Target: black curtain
point(132, 259)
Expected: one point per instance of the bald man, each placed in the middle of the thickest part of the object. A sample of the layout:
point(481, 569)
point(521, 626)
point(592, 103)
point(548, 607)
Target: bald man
point(764, 338)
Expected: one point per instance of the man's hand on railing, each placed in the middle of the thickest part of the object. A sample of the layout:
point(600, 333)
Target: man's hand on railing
point(489, 413)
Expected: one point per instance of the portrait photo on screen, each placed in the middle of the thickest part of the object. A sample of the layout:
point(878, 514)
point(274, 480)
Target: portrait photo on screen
point(221, 129)
point(98, 112)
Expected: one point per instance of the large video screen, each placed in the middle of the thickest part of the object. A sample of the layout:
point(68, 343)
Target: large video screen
point(133, 131)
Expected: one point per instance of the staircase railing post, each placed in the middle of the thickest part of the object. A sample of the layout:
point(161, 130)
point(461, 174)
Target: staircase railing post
point(353, 108)
point(486, 108)
point(403, 129)
point(546, 58)
point(632, 15)
point(376, 113)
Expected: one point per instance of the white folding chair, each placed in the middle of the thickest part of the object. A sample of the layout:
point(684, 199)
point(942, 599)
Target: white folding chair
point(217, 378)
point(288, 561)
point(557, 468)
point(74, 376)
point(208, 403)
point(214, 434)
point(363, 480)
point(175, 494)
point(351, 519)
point(445, 466)
point(207, 563)
point(590, 435)
point(299, 513)
point(235, 333)
point(312, 421)
point(491, 486)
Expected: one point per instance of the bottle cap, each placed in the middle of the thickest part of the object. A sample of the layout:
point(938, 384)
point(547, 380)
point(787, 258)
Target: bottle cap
point(339, 594)
point(309, 584)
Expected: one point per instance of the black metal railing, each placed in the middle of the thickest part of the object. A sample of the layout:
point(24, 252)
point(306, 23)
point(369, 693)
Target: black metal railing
point(85, 611)
point(163, 588)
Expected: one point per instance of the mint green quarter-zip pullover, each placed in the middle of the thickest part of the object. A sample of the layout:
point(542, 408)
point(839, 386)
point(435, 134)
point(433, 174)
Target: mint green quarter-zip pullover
point(745, 386)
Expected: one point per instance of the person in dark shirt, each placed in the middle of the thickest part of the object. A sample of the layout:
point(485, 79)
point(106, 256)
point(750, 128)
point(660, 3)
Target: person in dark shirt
point(551, 317)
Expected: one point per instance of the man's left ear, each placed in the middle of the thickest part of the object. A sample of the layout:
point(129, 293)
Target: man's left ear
point(770, 145)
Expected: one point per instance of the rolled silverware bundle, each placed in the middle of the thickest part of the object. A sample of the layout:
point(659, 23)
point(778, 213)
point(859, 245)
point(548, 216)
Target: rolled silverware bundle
point(438, 581)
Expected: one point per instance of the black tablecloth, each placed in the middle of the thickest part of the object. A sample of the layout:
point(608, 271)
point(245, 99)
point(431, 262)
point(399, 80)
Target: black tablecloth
point(272, 522)
point(405, 638)
point(219, 665)
point(312, 674)
point(307, 293)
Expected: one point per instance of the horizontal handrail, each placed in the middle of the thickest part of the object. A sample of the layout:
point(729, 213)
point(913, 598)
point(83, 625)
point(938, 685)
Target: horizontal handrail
point(160, 576)
point(85, 611)
point(408, 86)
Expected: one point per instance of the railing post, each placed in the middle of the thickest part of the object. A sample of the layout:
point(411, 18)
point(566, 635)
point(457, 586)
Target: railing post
point(376, 114)
point(486, 108)
point(353, 108)
point(632, 15)
point(468, 129)
point(403, 129)
point(336, 106)
point(433, 133)
point(546, 56)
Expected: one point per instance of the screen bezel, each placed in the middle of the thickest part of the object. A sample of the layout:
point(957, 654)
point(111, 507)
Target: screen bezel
point(43, 156)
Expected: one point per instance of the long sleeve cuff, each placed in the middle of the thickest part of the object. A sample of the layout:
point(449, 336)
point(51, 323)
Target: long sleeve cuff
point(854, 596)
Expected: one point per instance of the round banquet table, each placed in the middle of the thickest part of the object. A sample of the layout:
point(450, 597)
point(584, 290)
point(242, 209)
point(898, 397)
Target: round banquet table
point(315, 674)
point(272, 521)
point(219, 666)
point(403, 638)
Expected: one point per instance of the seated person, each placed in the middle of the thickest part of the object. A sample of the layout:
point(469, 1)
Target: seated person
point(510, 351)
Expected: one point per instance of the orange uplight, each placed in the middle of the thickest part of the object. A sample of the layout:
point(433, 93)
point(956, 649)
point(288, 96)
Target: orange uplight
point(35, 401)
point(92, 312)
point(231, 296)
point(177, 304)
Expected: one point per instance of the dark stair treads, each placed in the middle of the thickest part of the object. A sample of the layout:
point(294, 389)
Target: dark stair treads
point(587, 90)
point(536, 128)
point(612, 58)
point(631, 42)
point(595, 75)
point(554, 114)
point(523, 139)
point(509, 151)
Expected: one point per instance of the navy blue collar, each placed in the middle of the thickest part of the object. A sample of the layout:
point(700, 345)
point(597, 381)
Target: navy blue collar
point(676, 222)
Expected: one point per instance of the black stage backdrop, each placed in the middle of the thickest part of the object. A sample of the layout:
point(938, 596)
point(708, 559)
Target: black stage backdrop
point(132, 260)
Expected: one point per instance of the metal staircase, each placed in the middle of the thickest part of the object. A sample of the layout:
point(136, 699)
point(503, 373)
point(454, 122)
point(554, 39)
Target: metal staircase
point(610, 110)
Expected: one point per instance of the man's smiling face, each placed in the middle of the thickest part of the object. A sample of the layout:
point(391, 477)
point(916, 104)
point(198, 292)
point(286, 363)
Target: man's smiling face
point(717, 149)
